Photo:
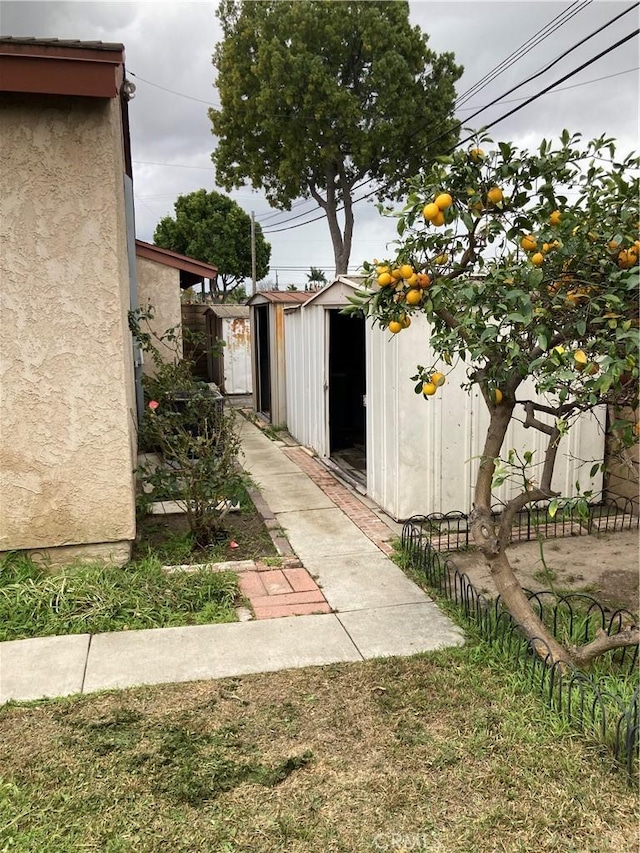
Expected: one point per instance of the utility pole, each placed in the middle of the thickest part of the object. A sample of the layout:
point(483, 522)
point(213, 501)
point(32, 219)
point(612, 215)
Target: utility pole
point(253, 254)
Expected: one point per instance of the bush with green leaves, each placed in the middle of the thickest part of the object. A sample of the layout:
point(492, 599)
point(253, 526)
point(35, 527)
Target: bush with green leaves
point(195, 439)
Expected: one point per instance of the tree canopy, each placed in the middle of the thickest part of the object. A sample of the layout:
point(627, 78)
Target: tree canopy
point(319, 98)
point(213, 228)
point(526, 266)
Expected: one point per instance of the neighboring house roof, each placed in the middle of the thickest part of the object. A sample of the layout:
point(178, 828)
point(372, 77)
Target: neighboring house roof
point(197, 269)
point(230, 312)
point(285, 296)
point(61, 67)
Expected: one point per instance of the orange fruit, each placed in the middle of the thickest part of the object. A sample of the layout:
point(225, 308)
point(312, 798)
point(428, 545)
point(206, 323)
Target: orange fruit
point(529, 243)
point(537, 259)
point(430, 211)
point(476, 154)
point(495, 195)
point(439, 219)
point(441, 260)
point(406, 270)
point(382, 268)
point(496, 396)
point(444, 201)
point(414, 296)
point(384, 279)
point(423, 280)
point(555, 218)
point(580, 358)
point(438, 379)
point(405, 321)
point(395, 326)
point(429, 389)
point(625, 259)
point(395, 274)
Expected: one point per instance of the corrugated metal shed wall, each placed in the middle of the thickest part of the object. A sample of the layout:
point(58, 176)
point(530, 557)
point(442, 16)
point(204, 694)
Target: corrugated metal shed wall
point(422, 456)
point(306, 358)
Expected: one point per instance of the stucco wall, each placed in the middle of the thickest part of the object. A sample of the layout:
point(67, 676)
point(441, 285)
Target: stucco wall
point(159, 289)
point(67, 400)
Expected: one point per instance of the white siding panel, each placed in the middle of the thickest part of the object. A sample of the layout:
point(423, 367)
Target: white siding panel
point(293, 357)
point(423, 455)
point(305, 354)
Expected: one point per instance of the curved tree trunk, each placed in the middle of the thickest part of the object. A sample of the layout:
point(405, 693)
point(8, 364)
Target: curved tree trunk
point(493, 543)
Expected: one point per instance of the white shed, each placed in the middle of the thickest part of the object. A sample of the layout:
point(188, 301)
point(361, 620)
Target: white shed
point(231, 370)
point(350, 399)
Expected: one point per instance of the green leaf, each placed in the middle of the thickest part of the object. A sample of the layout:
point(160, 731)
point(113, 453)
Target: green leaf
point(553, 507)
point(594, 469)
point(543, 341)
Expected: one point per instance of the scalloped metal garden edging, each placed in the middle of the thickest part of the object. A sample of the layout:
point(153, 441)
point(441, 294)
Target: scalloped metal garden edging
point(574, 695)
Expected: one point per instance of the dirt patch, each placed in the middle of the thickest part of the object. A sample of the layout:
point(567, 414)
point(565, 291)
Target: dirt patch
point(604, 565)
point(246, 529)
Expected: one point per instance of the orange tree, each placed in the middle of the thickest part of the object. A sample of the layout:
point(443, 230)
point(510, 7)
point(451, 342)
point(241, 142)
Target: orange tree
point(526, 266)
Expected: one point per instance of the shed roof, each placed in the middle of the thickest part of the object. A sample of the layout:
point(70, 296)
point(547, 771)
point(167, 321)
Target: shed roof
point(325, 293)
point(289, 297)
point(230, 312)
point(197, 269)
point(61, 66)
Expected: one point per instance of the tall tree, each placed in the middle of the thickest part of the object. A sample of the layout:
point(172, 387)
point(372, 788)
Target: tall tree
point(526, 266)
point(321, 97)
point(212, 227)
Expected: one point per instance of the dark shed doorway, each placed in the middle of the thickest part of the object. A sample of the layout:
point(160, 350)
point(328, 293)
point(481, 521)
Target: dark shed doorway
point(263, 360)
point(347, 390)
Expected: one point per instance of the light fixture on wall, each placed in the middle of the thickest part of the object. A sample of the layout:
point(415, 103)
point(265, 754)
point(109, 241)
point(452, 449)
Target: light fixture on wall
point(128, 90)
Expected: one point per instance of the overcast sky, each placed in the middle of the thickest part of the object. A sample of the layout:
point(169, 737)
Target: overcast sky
point(169, 46)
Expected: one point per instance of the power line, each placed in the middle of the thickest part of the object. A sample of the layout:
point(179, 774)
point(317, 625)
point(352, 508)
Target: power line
point(173, 91)
point(493, 123)
point(564, 88)
point(525, 48)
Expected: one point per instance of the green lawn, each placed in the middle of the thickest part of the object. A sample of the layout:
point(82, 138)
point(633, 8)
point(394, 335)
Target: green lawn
point(447, 753)
point(92, 599)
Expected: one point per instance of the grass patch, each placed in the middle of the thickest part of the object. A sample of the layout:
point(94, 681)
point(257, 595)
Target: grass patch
point(92, 599)
point(445, 750)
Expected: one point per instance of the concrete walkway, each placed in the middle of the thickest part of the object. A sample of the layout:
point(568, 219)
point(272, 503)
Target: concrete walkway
point(341, 540)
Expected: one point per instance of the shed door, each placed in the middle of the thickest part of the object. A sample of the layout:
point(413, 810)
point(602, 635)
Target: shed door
point(347, 390)
point(263, 360)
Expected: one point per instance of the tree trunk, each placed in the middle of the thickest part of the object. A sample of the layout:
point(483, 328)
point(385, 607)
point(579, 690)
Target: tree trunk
point(341, 240)
point(492, 544)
